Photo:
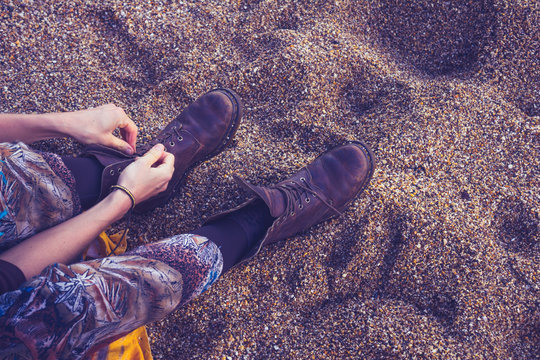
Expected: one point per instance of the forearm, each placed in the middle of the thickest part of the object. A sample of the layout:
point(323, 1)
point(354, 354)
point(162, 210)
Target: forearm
point(33, 127)
point(65, 242)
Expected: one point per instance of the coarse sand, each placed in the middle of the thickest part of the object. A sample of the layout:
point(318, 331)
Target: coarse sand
point(438, 259)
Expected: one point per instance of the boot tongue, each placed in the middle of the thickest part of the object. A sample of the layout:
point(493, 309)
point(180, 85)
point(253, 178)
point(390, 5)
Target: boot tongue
point(273, 198)
point(105, 155)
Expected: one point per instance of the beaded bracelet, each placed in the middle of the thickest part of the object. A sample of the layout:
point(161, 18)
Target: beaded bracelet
point(126, 190)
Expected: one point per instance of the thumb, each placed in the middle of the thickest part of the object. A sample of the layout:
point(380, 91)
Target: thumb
point(153, 155)
point(121, 145)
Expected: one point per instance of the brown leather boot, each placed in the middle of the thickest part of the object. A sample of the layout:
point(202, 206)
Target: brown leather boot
point(200, 132)
point(316, 193)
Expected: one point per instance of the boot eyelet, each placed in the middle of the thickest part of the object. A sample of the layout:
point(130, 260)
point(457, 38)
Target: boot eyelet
point(303, 179)
point(292, 214)
point(111, 172)
point(119, 170)
point(171, 143)
point(308, 200)
point(293, 182)
point(180, 138)
point(301, 206)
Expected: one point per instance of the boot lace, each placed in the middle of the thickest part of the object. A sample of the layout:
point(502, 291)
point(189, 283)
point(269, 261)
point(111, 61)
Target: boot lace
point(169, 135)
point(294, 192)
point(166, 138)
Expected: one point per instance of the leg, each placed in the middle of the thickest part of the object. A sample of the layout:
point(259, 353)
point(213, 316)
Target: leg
point(239, 232)
point(33, 197)
point(196, 258)
point(71, 311)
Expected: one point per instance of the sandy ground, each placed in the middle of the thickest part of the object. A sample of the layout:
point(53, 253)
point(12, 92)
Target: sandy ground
point(438, 259)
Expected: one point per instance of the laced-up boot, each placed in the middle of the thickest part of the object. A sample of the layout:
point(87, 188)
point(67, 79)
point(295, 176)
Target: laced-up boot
point(316, 193)
point(200, 132)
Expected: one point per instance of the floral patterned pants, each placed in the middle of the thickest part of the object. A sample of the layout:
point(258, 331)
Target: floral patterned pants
point(70, 311)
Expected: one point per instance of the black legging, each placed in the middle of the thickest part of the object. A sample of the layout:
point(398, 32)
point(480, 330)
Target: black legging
point(87, 174)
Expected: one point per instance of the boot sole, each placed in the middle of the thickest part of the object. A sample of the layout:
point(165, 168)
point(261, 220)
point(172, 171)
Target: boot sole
point(237, 111)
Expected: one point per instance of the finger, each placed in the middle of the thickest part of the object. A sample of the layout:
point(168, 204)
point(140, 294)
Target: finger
point(153, 155)
point(167, 162)
point(167, 159)
point(129, 130)
point(120, 145)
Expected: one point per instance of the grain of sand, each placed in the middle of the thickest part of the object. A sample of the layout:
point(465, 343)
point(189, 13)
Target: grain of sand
point(437, 259)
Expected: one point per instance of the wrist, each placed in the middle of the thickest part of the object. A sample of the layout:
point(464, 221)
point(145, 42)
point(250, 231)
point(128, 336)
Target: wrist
point(42, 126)
point(62, 124)
point(119, 203)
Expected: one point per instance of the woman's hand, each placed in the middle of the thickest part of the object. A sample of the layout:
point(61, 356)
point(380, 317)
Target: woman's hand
point(91, 126)
point(96, 126)
point(148, 175)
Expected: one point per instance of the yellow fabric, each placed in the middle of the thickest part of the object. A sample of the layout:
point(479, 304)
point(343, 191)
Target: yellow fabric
point(135, 345)
point(104, 245)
